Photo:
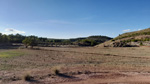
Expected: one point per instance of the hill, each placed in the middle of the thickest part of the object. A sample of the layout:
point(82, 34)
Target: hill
point(82, 41)
point(92, 40)
point(136, 38)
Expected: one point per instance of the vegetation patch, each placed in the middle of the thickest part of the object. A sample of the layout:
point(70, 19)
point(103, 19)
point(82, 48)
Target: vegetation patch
point(8, 54)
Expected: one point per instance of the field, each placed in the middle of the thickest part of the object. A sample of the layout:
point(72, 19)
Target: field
point(81, 65)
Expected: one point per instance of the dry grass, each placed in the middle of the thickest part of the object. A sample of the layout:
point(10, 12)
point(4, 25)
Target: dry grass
point(75, 60)
point(68, 57)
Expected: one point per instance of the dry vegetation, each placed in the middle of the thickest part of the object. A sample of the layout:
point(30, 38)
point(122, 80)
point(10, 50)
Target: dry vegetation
point(88, 65)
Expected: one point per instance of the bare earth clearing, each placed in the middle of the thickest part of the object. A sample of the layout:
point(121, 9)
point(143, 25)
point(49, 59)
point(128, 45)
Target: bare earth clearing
point(76, 65)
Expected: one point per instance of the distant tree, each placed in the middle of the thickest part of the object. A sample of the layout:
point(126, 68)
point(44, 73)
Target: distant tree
point(16, 38)
point(1, 37)
point(5, 38)
point(87, 42)
point(66, 42)
point(141, 44)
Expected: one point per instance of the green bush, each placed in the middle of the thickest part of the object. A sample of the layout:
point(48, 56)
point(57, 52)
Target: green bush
point(141, 44)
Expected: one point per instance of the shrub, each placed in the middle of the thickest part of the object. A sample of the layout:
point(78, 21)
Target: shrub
point(141, 44)
point(57, 71)
point(27, 77)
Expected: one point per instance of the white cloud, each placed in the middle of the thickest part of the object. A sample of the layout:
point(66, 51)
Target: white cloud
point(127, 30)
point(13, 31)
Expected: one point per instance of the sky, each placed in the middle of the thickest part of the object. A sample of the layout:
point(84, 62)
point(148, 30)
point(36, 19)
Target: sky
point(73, 18)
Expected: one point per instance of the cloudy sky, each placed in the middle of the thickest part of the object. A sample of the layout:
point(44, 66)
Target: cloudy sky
point(73, 18)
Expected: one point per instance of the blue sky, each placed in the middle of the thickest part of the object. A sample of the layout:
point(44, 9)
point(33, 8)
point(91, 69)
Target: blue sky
point(73, 18)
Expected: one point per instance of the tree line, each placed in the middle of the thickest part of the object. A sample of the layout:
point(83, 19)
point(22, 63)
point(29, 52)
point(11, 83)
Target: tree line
point(41, 41)
point(11, 38)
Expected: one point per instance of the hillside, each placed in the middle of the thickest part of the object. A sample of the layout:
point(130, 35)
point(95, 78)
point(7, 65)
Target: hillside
point(81, 41)
point(136, 38)
point(92, 40)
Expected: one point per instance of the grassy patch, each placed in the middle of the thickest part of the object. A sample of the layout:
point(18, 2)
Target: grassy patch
point(8, 54)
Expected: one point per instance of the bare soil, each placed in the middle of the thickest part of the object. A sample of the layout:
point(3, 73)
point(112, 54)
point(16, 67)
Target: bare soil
point(82, 65)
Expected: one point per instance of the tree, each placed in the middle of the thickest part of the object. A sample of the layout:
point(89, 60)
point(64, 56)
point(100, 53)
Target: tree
point(30, 41)
point(5, 38)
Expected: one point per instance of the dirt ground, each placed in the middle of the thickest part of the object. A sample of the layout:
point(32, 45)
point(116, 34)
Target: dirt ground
point(81, 65)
